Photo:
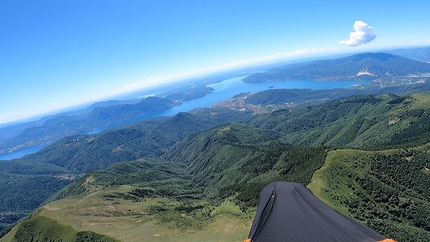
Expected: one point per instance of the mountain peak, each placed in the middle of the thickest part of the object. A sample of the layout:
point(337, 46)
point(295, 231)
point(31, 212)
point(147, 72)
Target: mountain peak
point(365, 65)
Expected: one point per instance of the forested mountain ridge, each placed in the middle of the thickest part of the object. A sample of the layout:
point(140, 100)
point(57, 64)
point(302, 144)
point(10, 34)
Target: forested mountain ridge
point(360, 66)
point(292, 98)
point(80, 154)
point(177, 200)
point(386, 190)
point(58, 164)
point(229, 157)
point(219, 170)
point(365, 122)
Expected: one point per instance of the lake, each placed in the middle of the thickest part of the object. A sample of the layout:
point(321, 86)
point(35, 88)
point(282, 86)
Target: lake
point(221, 91)
point(20, 153)
point(229, 88)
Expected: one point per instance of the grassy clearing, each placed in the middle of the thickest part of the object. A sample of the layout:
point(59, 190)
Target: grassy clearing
point(423, 101)
point(41, 228)
point(339, 178)
point(112, 213)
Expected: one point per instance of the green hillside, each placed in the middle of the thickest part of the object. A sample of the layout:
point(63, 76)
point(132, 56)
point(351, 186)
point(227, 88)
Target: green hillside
point(212, 164)
point(74, 155)
point(197, 179)
point(184, 197)
point(385, 190)
point(365, 121)
point(234, 158)
point(41, 228)
point(282, 98)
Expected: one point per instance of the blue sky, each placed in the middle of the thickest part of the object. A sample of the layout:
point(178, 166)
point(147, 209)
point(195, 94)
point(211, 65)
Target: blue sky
point(55, 54)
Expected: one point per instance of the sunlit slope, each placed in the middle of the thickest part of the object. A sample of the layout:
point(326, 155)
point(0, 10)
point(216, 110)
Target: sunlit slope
point(137, 201)
point(365, 121)
point(385, 190)
point(114, 215)
point(41, 228)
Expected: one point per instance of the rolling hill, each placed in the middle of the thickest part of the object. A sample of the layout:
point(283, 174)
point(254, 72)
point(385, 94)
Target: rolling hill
point(360, 66)
point(369, 122)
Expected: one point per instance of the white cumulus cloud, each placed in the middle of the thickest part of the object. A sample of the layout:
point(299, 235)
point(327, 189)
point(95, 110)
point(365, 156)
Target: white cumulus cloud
point(363, 33)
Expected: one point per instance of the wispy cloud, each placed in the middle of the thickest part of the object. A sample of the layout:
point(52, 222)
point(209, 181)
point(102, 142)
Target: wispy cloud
point(277, 56)
point(228, 65)
point(9, 114)
point(363, 33)
point(8, 117)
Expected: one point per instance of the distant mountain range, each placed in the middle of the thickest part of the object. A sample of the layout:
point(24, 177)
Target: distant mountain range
point(100, 115)
point(419, 54)
point(356, 67)
point(57, 127)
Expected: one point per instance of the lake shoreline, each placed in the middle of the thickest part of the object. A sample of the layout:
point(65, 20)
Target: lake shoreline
point(222, 91)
